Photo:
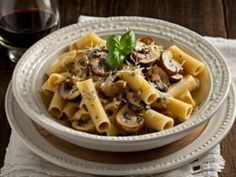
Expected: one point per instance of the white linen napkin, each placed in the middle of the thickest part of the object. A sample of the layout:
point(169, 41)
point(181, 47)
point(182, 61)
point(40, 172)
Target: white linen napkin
point(21, 162)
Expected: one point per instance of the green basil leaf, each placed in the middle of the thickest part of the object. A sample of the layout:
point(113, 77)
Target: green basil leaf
point(113, 42)
point(118, 48)
point(114, 59)
point(127, 42)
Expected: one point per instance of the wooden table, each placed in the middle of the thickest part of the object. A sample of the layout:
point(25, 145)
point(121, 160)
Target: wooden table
point(207, 17)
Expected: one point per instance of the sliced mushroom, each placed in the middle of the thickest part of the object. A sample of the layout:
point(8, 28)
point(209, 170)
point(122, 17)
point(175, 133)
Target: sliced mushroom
point(97, 53)
point(169, 64)
point(140, 46)
point(176, 78)
point(81, 65)
point(129, 121)
point(159, 77)
point(146, 59)
point(68, 90)
point(133, 98)
point(98, 66)
point(147, 40)
point(83, 125)
point(146, 55)
point(83, 122)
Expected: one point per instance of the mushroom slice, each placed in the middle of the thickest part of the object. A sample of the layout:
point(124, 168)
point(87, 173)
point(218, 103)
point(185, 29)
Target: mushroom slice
point(128, 120)
point(97, 53)
point(83, 122)
point(83, 125)
point(176, 78)
point(81, 65)
point(133, 98)
point(68, 90)
point(146, 59)
point(147, 40)
point(169, 64)
point(159, 77)
point(146, 55)
point(97, 66)
point(139, 46)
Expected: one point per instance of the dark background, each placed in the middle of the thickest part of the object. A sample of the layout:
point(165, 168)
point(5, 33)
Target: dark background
point(207, 17)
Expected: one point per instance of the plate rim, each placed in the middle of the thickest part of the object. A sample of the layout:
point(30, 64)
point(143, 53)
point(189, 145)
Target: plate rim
point(230, 117)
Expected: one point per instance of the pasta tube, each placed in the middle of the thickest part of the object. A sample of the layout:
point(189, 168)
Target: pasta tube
point(138, 84)
point(190, 64)
point(64, 59)
point(179, 108)
point(56, 68)
point(188, 83)
point(87, 41)
point(111, 109)
point(70, 109)
point(94, 106)
point(67, 57)
point(46, 89)
point(157, 121)
point(57, 105)
point(187, 98)
point(54, 79)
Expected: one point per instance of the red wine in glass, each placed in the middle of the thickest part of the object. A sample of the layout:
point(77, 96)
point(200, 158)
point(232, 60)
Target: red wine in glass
point(22, 27)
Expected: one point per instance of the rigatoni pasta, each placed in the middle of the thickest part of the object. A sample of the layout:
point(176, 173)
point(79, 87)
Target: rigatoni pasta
point(94, 106)
point(46, 89)
point(157, 121)
point(104, 88)
point(188, 83)
point(179, 108)
point(190, 64)
point(70, 109)
point(57, 105)
point(141, 86)
point(87, 41)
point(187, 98)
point(54, 79)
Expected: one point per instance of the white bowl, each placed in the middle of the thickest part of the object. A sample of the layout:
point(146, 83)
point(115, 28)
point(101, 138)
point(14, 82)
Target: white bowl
point(30, 71)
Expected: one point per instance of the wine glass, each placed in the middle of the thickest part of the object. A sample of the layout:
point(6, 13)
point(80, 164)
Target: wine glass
point(24, 22)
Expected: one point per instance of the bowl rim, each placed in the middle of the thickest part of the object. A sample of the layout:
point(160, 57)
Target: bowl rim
point(52, 124)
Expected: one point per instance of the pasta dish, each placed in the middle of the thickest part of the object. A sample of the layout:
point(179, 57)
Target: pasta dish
point(122, 85)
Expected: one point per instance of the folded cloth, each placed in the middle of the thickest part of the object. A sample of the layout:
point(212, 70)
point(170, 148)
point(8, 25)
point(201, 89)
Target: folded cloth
point(21, 162)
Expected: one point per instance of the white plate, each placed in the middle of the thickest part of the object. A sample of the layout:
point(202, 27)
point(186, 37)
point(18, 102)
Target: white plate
point(215, 131)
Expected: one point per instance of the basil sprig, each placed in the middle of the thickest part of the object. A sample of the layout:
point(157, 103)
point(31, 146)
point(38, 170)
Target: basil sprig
point(118, 48)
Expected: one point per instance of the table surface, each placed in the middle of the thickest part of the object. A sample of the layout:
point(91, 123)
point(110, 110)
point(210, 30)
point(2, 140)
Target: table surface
point(206, 17)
